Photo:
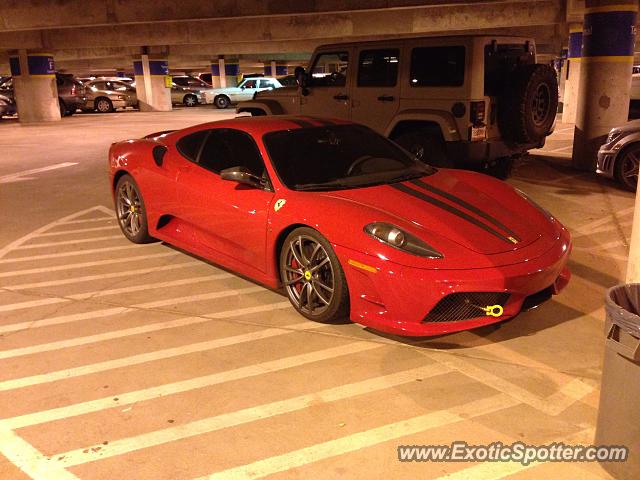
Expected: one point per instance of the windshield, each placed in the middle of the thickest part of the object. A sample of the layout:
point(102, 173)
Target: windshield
point(338, 157)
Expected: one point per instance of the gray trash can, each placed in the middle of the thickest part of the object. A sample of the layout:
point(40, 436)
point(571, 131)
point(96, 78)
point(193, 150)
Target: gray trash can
point(619, 410)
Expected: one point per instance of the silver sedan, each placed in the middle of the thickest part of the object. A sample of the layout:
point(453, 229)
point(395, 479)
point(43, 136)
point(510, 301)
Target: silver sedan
point(619, 157)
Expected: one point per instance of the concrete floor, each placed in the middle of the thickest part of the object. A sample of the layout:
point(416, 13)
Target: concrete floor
point(140, 362)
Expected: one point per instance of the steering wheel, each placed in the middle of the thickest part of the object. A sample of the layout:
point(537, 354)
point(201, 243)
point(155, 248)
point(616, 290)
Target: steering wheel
point(358, 162)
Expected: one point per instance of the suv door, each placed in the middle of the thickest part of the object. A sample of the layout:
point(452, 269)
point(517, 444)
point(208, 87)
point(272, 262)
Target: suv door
point(376, 94)
point(329, 85)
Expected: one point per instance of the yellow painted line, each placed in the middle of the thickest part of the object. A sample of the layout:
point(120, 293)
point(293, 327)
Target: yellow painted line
point(362, 266)
point(367, 438)
point(606, 59)
point(576, 30)
point(44, 54)
point(43, 76)
point(612, 8)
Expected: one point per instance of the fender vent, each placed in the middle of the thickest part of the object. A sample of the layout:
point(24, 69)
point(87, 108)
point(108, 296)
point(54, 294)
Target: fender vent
point(465, 305)
point(158, 154)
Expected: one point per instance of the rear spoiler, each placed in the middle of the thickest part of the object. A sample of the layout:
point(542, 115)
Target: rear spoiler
point(157, 134)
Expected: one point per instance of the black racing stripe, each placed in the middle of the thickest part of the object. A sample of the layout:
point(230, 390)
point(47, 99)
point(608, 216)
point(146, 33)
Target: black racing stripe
point(468, 206)
point(301, 123)
point(450, 209)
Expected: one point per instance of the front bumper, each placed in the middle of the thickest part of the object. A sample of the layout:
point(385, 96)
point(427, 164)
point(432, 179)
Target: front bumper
point(397, 299)
point(606, 162)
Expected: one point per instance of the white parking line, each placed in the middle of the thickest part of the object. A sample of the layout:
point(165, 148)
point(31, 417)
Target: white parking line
point(23, 175)
point(86, 220)
point(104, 276)
point(77, 341)
point(160, 354)
point(75, 317)
point(558, 150)
point(182, 386)
point(29, 460)
point(68, 242)
point(73, 253)
point(80, 230)
point(97, 263)
point(252, 414)
point(368, 438)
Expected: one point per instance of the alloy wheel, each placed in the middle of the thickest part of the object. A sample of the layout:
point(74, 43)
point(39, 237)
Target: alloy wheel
point(129, 209)
point(629, 168)
point(309, 276)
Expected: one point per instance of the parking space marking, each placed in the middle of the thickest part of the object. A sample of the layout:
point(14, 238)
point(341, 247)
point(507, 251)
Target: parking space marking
point(179, 322)
point(75, 317)
point(47, 256)
point(87, 220)
point(29, 460)
point(367, 438)
point(100, 293)
point(24, 175)
point(606, 220)
point(182, 386)
point(103, 276)
point(79, 230)
point(98, 263)
point(68, 242)
point(251, 414)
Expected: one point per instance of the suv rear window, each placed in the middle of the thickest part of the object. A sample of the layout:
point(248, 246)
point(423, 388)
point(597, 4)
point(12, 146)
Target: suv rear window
point(378, 68)
point(437, 66)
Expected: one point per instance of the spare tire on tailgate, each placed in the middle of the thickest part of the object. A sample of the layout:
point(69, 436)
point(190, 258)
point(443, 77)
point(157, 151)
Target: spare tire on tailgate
point(528, 107)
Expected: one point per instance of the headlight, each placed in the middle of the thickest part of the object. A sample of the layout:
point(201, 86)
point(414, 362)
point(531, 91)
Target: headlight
point(398, 238)
point(546, 212)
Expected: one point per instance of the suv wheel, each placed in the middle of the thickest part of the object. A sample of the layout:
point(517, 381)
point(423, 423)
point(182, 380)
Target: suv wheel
point(222, 101)
point(426, 146)
point(529, 105)
point(104, 105)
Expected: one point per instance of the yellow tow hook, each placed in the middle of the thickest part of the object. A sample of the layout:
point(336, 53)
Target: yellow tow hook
point(493, 310)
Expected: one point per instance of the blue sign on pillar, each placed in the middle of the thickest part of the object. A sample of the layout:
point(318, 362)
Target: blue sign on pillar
point(281, 70)
point(231, 69)
point(156, 67)
point(41, 65)
point(575, 44)
point(215, 70)
point(609, 33)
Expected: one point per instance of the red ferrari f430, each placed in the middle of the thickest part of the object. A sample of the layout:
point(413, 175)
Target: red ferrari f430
point(344, 220)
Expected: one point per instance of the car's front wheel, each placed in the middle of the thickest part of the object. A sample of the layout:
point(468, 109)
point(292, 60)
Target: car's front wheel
point(313, 278)
point(626, 168)
point(104, 105)
point(131, 212)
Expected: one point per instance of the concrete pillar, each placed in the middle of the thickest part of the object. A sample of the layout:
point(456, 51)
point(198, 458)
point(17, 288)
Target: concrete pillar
point(605, 77)
point(223, 76)
point(154, 94)
point(572, 75)
point(231, 72)
point(562, 73)
point(215, 73)
point(34, 87)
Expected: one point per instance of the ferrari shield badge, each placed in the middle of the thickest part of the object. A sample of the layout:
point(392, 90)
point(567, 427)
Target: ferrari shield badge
point(279, 204)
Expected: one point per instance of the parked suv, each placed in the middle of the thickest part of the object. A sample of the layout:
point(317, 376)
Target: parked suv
point(467, 101)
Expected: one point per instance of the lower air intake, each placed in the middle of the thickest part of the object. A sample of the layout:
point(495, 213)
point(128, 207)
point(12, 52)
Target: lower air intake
point(465, 305)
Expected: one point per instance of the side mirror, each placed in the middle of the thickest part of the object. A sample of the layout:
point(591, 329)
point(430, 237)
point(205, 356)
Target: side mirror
point(241, 175)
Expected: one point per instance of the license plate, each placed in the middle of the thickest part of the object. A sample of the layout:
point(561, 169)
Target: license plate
point(478, 133)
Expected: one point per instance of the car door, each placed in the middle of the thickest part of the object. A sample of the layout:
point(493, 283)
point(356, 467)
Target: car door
point(228, 219)
point(328, 91)
point(245, 90)
point(376, 93)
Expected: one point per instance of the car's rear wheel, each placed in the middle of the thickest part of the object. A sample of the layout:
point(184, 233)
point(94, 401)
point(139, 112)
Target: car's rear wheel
point(313, 278)
point(626, 168)
point(190, 100)
point(222, 101)
point(104, 105)
point(131, 212)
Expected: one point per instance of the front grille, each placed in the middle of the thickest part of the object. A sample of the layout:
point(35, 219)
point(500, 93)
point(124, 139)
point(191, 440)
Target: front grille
point(465, 305)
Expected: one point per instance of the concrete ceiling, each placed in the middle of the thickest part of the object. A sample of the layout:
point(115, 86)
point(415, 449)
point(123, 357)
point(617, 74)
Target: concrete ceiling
point(85, 34)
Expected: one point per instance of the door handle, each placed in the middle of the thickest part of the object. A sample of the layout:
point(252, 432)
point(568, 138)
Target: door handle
point(342, 96)
point(386, 98)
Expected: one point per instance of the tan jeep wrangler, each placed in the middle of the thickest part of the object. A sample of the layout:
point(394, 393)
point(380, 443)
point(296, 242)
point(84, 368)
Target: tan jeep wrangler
point(467, 102)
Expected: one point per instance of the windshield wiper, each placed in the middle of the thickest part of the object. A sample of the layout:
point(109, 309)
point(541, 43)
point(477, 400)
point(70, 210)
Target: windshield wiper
point(322, 186)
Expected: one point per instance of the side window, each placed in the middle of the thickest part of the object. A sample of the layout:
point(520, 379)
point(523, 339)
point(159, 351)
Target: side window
point(99, 86)
point(378, 68)
point(250, 84)
point(180, 81)
point(330, 70)
point(226, 148)
point(437, 66)
point(189, 145)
